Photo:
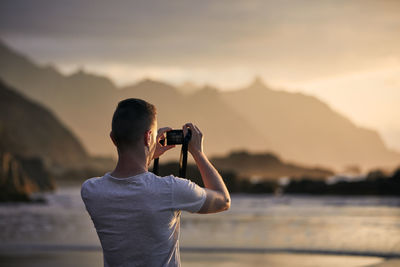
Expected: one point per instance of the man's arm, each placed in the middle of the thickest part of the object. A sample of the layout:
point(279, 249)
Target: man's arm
point(217, 195)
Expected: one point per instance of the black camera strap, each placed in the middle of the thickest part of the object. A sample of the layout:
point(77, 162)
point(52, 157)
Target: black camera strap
point(155, 166)
point(182, 159)
point(184, 154)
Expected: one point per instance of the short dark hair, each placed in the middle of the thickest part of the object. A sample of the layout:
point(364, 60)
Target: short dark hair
point(131, 119)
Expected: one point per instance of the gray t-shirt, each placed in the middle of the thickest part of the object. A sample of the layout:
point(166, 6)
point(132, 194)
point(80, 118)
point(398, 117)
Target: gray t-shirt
point(137, 218)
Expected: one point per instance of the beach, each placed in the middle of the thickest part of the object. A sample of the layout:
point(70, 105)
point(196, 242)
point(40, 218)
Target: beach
point(94, 258)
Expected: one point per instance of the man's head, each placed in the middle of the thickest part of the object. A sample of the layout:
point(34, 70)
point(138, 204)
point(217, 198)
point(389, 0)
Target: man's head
point(134, 124)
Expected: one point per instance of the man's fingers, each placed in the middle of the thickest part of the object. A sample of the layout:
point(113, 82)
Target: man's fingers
point(198, 131)
point(164, 130)
point(184, 128)
point(189, 124)
point(194, 128)
point(161, 133)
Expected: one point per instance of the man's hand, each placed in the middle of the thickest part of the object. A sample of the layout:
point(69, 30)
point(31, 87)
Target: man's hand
point(161, 149)
point(196, 142)
point(217, 195)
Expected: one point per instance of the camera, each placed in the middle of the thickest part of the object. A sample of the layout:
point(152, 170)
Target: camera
point(175, 137)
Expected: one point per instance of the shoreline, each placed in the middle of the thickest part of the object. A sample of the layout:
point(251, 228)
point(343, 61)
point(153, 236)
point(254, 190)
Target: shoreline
point(192, 259)
point(66, 248)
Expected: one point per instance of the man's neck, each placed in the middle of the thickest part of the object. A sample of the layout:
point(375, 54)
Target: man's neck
point(130, 164)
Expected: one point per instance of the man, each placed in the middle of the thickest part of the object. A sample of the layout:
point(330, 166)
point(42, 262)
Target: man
point(136, 213)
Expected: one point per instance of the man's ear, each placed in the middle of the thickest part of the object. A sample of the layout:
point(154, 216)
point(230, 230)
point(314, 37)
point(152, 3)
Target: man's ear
point(113, 138)
point(147, 138)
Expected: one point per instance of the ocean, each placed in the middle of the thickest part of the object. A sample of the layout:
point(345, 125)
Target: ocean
point(258, 230)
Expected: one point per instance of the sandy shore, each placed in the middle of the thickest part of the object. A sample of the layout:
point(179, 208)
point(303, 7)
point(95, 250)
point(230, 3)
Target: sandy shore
point(94, 258)
point(388, 263)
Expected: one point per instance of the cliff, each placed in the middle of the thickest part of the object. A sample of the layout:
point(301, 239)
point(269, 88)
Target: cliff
point(33, 131)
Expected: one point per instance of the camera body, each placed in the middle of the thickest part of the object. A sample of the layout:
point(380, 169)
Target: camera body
point(175, 137)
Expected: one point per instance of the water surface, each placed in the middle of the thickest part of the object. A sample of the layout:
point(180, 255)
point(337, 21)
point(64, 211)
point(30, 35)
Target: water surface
point(250, 231)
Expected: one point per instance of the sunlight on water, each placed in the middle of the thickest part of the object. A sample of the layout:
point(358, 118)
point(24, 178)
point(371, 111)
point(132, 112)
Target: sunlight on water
point(362, 224)
point(344, 225)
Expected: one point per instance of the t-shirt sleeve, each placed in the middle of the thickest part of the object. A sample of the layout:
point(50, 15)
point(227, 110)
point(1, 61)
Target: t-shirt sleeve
point(187, 195)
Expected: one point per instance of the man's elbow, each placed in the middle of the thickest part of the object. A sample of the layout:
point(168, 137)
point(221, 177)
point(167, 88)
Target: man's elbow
point(215, 202)
point(227, 204)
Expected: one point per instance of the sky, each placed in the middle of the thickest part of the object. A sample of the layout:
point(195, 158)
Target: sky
point(345, 52)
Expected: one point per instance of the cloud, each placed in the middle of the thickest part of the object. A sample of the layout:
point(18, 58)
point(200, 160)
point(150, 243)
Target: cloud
point(307, 39)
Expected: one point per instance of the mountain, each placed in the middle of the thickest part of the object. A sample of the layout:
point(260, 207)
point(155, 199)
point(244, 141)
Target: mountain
point(84, 102)
point(265, 166)
point(27, 129)
point(298, 127)
point(218, 121)
point(304, 129)
point(32, 142)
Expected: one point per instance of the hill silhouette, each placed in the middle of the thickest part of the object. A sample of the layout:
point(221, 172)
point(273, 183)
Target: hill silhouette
point(30, 130)
point(298, 127)
point(84, 102)
point(32, 142)
point(266, 167)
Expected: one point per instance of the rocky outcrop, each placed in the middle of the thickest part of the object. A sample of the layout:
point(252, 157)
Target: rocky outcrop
point(20, 177)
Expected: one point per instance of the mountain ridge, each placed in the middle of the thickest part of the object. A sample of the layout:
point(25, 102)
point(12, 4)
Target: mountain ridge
point(296, 126)
point(30, 130)
point(309, 116)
